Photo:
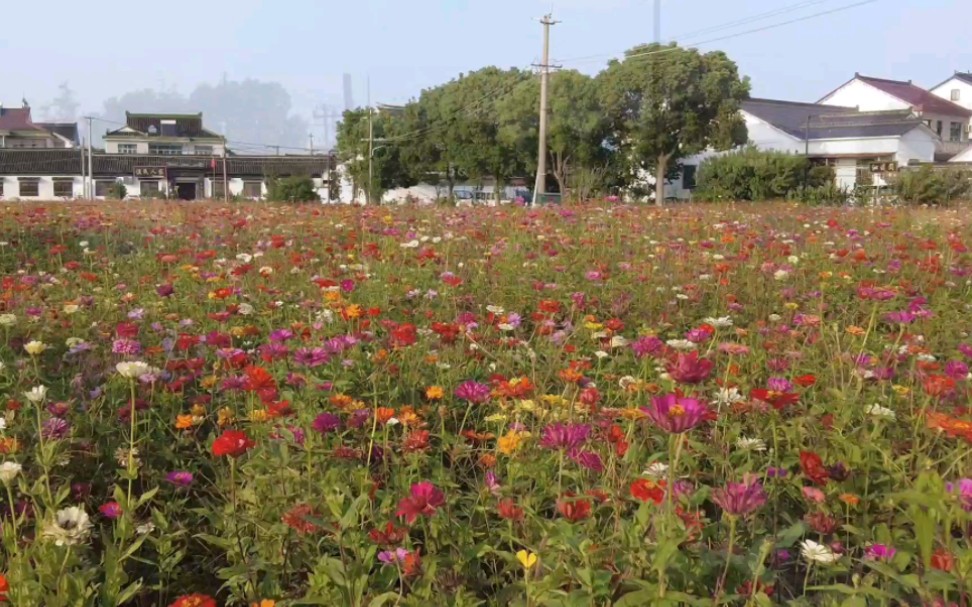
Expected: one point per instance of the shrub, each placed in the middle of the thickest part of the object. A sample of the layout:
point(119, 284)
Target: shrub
point(927, 185)
point(292, 189)
point(117, 191)
point(752, 174)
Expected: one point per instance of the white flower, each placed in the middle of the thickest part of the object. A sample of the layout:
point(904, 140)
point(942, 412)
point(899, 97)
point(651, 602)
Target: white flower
point(505, 326)
point(793, 259)
point(2, 366)
point(266, 271)
point(134, 369)
point(71, 308)
point(411, 244)
point(775, 318)
point(495, 309)
point(720, 323)
point(680, 344)
point(34, 347)
point(393, 421)
point(619, 341)
point(626, 381)
point(656, 470)
point(244, 257)
point(926, 358)
point(9, 471)
point(245, 309)
point(145, 528)
point(750, 444)
point(818, 553)
point(71, 526)
point(728, 396)
point(600, 354)
point(8, 320)
point(3, 424)
point(878, 411)
point(37, 394)
point(780, 274)
point(83, 244)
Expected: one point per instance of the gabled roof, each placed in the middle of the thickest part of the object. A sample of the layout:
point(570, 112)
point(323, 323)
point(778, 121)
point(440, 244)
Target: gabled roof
point(965, 77)
point(16, 119)
point(918, 98)
point(820, 121)
point(150, 125)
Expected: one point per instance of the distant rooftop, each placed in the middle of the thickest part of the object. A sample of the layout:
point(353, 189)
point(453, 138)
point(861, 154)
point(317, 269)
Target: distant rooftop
point(164, 125)
point(918, 98)
point(821, 121)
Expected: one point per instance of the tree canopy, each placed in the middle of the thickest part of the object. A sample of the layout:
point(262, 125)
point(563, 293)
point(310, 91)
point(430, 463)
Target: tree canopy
point(641, 115)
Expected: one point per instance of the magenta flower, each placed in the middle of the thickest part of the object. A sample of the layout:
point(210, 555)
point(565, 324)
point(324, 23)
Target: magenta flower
point(566, 437)
point(964, 489)
point(740, 499)
point(881, 552)
point(179, 478)
point(647, 346)
point(676, 414)
point(326, 423)
point(491, 483)
point(689, 368)
point(425, 499)
point(389, 557)
point(473, 392)
point(590, 460)
point(110, 510)
point(311, 357)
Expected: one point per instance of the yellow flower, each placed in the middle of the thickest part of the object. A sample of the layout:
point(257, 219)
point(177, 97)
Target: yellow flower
point(71, 308)
point(555, 399)
point(526, 405)
point(225, 416)
point(209, 382)
point(238, 331)
point(198, 410)
point(34, 347)
point(826, 275)
point(511, 441)
point(527, 559)
point(901, 390)
point(593, 326)
point(259, 415)
point(332, 296)
point(353, 311)
point(791, 305)
point(496, 417)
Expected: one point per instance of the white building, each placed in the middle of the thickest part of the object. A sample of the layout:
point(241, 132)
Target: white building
point(957, 89)
point(849, 140)
point(164, 135)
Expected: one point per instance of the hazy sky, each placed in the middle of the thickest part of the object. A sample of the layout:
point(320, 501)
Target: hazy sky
point(107, 47)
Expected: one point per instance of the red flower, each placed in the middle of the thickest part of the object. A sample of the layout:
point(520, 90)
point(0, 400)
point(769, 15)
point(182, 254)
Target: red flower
point(508, 510)
point(416, 441)
point(404, 335)
point(690, 369)
point(805, 380)
point(574, 509)
point(938, 385)
point(425, 499)
point(300, 519)
point(942, 560)
point(645, 490)
point(194, 600)
point(777, 400)
point(4, 588)
point(233, 443)
point(391, 536)
point(813, 467)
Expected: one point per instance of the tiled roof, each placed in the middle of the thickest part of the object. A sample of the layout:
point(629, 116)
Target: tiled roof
point(186, 125)
point(917, 97)
point(16, 119)
point(68, 162)
point(818, 121)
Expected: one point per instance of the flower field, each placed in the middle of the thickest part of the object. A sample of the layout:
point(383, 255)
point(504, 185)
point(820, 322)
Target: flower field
point(598, 405)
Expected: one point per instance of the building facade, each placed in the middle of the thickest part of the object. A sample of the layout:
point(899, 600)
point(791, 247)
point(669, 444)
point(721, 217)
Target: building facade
point(164, 135)
point(19, 131)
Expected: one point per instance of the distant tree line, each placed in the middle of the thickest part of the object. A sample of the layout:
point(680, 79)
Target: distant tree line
point(639, 116)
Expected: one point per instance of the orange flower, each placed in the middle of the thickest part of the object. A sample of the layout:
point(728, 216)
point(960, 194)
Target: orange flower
point(183, 422)
point(434, 392)
point(850, 499)
point(265, 603)
point(855, 330)
point(487, 460)
point(9, 446)
point(384, 414)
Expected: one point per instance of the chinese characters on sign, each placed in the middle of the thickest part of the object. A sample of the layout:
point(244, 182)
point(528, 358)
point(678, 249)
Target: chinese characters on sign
point(884, 167)
point(150, 172)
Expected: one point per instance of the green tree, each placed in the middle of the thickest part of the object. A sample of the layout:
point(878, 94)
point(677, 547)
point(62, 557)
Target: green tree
point(667, 102)
point(353, 150)
point(292, 189)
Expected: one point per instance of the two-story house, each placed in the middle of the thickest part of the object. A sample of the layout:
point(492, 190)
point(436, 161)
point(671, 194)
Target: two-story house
point(164, 135)
point(947, 119)
point(18, 130)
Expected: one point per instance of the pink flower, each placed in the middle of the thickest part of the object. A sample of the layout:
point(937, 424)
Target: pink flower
point(814, 495)
point(741, 499)
point(881, 552)
point(676, 414)
point(473, 392)
point(111, 510)
point(425, 499)
point(690, 369)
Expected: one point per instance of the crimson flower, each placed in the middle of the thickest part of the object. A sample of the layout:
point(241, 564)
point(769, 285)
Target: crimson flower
point(574, 509)
point(646, 490)
point(689, 368)
point(777, 400)
point(676, 414)
point(508, 510)
point(233, 443)
point(813, 467)
point(425, 499)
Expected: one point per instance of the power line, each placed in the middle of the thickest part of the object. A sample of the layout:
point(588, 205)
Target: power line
point(726, 37)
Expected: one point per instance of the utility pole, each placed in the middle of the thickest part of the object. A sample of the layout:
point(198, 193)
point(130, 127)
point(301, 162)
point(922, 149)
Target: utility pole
point(310, 137)
point(541, 184)
point(658, 21)
point(371, 151)
point(225, 180)
point(90, 180)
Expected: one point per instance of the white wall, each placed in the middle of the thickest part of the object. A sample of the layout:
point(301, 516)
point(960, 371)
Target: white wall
point(965, 92)
point(142, 146)
point(917, 144)
point(865, 97)
point(45, 188)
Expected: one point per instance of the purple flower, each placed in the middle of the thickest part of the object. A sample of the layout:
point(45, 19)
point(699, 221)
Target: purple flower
point(491, 483)
point(281, 335)
point(740, 499)
point(55, 428)
point(326, 423)
point(964, 489)
point(778, 384)
point(646, 346)
point(590, 460)
point(774, 472)
point(165, 290)
point(473, 392)
point(566, 437)
point(881, 552)
point(956, 369)
point(179, 478)
point(676, 414)
point(902, 317)
point(966, 350)
point(392, 556)
point(311, 357)
point(128, 347)
point(359, 417)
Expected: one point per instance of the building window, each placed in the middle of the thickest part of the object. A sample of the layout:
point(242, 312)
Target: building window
point(252, 189)
point(956, 95)
point(938, 127)
point(204, 150)
point(688, 176)
point(127, 148)
point(64, 188)
point(102, 187)
point(29, 187)
point(955, 131)
point(165, 150)
point(149, 189)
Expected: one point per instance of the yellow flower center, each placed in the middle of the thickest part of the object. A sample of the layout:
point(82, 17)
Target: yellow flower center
point(677, 411)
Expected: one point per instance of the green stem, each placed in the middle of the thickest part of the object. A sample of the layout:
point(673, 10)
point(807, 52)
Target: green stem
point(725, 570)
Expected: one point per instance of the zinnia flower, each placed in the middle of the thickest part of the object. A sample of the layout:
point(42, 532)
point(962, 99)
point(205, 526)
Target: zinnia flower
point(676, 414)
point(881, 552)
point(194, 600)
point(110, 510)
point(37, 394)
point(180, 478)
point(233, 443)
point(425, 499)
point(9, 471)
point(566, 437)
point(326, 422)
point(70, 526)
point(473, 392)
point(818, 553)
point(740, 499)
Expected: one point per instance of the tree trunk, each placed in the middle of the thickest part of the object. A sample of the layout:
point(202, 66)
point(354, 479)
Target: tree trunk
point(660, 172)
